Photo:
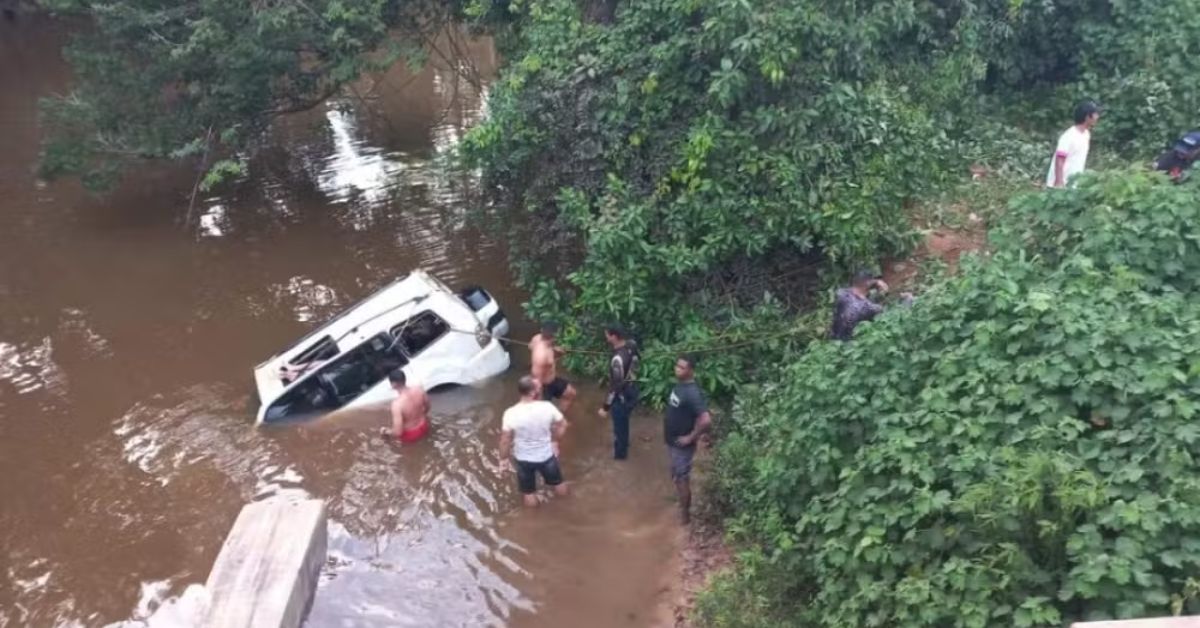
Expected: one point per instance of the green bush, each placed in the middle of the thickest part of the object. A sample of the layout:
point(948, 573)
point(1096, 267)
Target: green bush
point(1017, 449)
point(1139, 58)
point(628, 159)
point(1142, 59)
point(693, 134)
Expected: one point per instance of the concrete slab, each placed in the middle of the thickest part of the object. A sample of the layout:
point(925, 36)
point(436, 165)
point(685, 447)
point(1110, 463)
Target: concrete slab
point(1158, 622)
point(268, 567)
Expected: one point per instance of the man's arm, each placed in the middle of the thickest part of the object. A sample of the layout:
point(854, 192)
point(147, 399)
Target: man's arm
point(702, 424)
point(874, 308)
point(558, 428)
point(616, 380)
point(397, 421)
point(1062, 150)
point(699, 406)
point(1060, 162)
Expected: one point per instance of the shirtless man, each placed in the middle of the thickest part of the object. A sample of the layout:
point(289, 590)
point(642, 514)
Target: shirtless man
point(410, 411)
point(543, 366)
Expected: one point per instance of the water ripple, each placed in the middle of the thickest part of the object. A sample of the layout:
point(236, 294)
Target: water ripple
point(31, 368)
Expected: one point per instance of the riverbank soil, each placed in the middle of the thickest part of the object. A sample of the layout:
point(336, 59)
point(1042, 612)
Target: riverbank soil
point(701, 554)
point(943, 245)
point(952, 225)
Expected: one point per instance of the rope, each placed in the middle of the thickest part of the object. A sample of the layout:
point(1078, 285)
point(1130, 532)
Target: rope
point(753, 339)
point(528, 344)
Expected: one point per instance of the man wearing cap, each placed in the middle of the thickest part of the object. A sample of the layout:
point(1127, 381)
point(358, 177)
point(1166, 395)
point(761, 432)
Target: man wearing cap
point(1178, 159)
point(1070, 155)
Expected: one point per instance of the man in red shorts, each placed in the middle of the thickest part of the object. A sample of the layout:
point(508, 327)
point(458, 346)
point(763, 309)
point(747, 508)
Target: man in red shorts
point(410, 410)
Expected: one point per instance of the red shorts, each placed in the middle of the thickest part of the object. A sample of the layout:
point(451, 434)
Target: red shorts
point(415, 434)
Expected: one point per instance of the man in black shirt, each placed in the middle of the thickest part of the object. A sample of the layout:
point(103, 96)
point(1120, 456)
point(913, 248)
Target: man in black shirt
point(1177, 160)
point(622, 387)
point(686, 419)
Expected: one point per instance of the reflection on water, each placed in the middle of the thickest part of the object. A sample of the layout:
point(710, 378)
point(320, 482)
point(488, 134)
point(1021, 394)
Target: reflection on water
point(126, 347)
point(356, 170)
point(214, 222)
point(309, 300)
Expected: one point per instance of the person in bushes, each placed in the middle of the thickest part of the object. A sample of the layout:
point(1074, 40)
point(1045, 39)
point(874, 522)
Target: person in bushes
point(1070, 155)
point(853, 305)
point(1177, 160)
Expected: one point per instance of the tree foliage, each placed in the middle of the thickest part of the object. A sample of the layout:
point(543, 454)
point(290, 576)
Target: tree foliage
point(173, 79)
point(1017, 449)
point(1138, 58)
point(691, 135)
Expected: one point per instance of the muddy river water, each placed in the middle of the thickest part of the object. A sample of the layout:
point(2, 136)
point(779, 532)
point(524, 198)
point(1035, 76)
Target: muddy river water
point(127, 444)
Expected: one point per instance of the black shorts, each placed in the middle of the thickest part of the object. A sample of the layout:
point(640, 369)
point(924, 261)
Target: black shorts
point(555, 389)
point(681, 461)
point(527, 474)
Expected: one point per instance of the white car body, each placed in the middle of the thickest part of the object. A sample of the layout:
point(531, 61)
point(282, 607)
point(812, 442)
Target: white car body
point(416, 322)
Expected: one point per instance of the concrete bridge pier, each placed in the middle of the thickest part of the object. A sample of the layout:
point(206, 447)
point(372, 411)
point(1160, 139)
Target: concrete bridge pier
point(267, 571)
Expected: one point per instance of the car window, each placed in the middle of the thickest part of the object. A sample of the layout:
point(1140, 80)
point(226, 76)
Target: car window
point(417, 333)
point(340, 380)
point(322, 349)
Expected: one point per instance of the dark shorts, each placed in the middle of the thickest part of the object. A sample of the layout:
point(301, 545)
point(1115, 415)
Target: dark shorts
point(681, 461)
point(555, 389)
point(527, 474)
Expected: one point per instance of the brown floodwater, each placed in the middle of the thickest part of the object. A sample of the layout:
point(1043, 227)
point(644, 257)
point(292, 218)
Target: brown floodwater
point(127, 444)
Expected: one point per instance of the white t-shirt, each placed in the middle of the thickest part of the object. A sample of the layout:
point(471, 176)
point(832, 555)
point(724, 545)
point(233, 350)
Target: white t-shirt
point(530, 423)
point(1073, 144)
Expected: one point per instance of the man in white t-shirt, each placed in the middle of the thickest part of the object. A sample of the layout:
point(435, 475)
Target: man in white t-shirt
point(1070, 156)
point(529, 433)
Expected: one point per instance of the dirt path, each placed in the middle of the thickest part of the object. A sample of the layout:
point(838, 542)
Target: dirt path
point(701, 554)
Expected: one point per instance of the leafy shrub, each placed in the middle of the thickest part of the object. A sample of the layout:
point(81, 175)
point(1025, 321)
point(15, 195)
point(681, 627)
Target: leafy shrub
point(628, 158)
point(691, 134)
point(1017, 449)
point(1138, 58)
point(1142, 58)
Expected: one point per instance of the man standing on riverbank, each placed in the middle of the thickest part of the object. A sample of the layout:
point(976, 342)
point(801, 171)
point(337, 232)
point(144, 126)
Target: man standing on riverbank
point(529, 433)
point(686, 419)
point(543, 357)
point(1071, 153)
point(622, 386)
point(410, 410)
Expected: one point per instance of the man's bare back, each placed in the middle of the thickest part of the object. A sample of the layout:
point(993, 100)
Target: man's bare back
point(543, 359)
point(410, 410)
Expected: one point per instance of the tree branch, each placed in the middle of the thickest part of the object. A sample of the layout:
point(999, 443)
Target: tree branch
point(187, 220)
point(297, 107)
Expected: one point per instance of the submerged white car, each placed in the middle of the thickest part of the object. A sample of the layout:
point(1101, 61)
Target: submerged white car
point(437, 336)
